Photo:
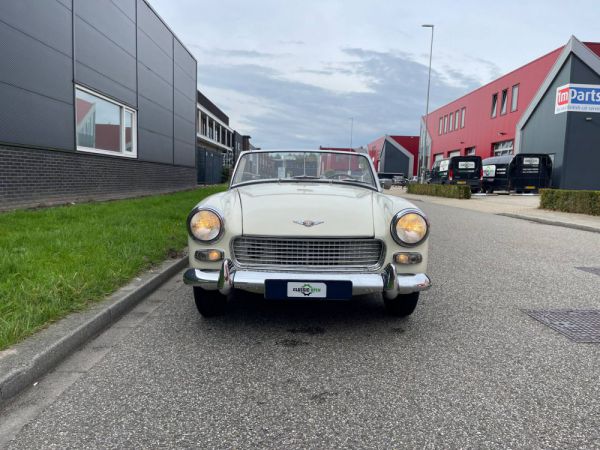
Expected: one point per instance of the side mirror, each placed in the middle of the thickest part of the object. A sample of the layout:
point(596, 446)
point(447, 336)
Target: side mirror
point(386, 183)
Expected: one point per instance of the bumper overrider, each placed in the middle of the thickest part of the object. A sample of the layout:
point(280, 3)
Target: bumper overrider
point(389, 282)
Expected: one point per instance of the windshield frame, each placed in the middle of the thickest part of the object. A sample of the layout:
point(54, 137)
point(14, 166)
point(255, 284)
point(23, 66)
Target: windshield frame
point(376, 187)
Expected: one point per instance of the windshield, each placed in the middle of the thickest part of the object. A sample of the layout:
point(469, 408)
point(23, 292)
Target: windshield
point(325, 167)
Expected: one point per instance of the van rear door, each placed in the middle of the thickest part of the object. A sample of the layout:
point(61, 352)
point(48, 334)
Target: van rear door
point(466, 167)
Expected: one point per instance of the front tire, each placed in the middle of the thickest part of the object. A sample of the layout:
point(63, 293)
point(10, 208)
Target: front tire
point(209, 303)
point(403, 305)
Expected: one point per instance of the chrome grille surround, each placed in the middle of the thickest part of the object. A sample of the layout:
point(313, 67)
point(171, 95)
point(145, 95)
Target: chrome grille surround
point(325, 254)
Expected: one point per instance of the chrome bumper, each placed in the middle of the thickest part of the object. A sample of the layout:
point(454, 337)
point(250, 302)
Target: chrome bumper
point(389, 282)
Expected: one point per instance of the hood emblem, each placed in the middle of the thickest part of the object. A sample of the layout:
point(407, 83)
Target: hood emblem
point(308, 223)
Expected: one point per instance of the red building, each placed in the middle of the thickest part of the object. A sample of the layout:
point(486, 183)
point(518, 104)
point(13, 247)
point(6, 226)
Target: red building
point(338, 162)
point(517, 113)
point(395, 154)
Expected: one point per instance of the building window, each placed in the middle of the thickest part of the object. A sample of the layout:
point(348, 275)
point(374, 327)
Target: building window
point(103, 125)
point(494, 104)
point(438, 157)
point(514, 101)
point(453, 153)
point(203, 124)
point(445, 124)
point(504, 101)
point(462, 117)
point(451, 122)
point(456, 119)
point(502, 148)
point(470, 151)
point(441, 128)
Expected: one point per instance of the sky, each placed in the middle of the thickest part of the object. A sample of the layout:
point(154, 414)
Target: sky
point(300, 74)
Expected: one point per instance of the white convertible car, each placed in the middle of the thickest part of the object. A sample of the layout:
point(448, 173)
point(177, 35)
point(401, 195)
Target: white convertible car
point(306, 224)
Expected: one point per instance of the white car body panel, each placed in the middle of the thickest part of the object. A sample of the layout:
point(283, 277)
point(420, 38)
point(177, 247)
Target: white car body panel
point(338, 210)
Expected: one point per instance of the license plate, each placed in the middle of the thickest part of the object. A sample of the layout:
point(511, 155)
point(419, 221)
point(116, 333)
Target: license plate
point(306, 289)
point(529, 187)
point(297, 289)
point(461, 182)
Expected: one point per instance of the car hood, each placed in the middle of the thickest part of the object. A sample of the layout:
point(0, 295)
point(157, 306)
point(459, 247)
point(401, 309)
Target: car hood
point(272, 209)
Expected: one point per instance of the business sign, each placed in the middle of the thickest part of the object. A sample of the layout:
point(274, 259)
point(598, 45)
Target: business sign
point(577, 97)
point(489, 171)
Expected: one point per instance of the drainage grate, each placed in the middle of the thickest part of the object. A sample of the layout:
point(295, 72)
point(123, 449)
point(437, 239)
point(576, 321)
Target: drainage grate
point(579, 325)
point(594, 270)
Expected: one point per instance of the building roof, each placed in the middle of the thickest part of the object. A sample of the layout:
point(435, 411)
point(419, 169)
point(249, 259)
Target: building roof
point(212, 108)
point(588, 52)
point(550, 56)
point(410, 143)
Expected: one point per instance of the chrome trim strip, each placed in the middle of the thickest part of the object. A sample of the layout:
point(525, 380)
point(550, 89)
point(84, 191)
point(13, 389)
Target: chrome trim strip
point(390, 283)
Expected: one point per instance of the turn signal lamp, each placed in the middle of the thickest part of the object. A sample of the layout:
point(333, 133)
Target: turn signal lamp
point(211, 255)
point(408, 258)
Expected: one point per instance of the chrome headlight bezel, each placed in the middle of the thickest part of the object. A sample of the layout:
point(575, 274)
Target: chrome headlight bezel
point(395, 221)
point(217, 213)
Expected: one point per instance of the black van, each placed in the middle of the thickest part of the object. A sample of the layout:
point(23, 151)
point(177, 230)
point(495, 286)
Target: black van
point(523, 172)
point(495, 173)
point(458, 170)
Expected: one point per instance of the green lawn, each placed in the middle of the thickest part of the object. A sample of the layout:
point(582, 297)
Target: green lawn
point(58, 260)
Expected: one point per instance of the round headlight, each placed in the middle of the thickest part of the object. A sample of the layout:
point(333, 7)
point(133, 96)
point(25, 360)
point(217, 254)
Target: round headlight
point(409, 228)
point(205, 225)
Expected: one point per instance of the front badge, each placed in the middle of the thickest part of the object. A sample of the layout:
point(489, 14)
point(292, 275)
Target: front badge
point(308, 223)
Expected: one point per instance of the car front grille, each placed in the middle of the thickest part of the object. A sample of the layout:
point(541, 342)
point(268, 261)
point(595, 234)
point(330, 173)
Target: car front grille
point(250, 251)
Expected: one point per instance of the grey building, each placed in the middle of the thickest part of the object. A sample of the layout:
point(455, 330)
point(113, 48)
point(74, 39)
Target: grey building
point(395, 154)
point(98, 100)
point(567, 128)
point(214, 141)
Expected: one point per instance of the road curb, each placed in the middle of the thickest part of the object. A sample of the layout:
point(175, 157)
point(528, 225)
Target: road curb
point(39, 354)
point(551, 222)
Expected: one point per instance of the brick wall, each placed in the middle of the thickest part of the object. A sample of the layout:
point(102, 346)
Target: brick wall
point(32, 177)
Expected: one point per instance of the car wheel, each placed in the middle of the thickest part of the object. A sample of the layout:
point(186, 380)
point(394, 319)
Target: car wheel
point(403, 305)
point(209, 303)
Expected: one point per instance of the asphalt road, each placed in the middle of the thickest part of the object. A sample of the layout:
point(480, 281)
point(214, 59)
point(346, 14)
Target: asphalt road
point(468, 370)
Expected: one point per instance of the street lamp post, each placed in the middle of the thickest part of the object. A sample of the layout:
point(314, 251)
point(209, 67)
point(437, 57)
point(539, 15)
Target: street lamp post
point(351, 130)
point(423, 165)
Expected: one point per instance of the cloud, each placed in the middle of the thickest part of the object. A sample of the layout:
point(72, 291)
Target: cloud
point(235, 53)
point(291, 42)
point(299, 114)
point(244, 53)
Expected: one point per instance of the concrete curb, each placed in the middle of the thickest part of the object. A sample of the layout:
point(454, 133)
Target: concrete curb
point(31, 359)
point(551, 222)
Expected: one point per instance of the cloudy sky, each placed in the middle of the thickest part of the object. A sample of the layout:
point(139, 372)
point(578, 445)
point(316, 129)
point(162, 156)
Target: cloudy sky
point(292, 74)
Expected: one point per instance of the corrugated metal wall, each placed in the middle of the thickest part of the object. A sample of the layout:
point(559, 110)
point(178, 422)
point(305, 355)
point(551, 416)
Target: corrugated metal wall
point(209, 164)
point(121, 49)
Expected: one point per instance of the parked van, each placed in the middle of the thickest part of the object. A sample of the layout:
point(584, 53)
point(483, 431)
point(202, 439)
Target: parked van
point(465, 170)
point(523, 172)
point(495, 173)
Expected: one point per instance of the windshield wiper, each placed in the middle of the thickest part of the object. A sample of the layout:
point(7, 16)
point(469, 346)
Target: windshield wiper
point(306, 177)
point(352, 181)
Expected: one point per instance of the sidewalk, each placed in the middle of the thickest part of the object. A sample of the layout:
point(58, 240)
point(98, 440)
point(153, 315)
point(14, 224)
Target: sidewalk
point(517, 206)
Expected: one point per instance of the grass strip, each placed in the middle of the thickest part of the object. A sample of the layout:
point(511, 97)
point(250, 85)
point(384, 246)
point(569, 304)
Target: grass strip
point(58, 260)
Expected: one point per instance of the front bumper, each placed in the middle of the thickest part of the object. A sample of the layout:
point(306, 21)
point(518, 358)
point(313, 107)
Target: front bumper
point(389, 282)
